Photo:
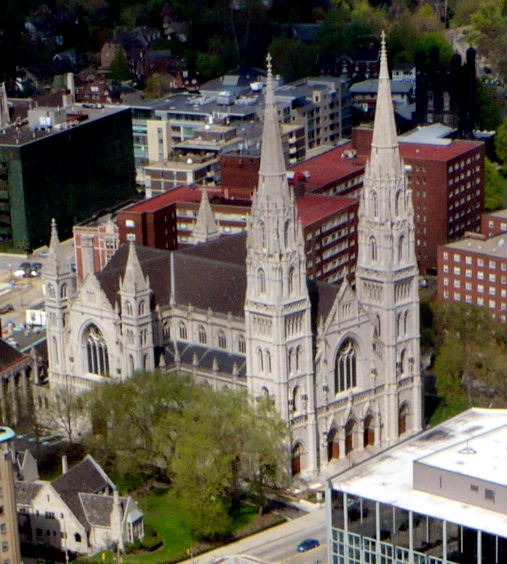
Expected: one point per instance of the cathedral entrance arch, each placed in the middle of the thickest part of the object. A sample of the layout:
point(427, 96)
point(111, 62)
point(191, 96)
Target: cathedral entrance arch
point(333, 446)
point(403, 418)
point(368, 431)
point(297, 453)
point(350, 429)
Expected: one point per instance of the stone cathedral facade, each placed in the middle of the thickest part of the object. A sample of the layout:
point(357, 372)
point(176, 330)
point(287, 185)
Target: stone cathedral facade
point(341, 363)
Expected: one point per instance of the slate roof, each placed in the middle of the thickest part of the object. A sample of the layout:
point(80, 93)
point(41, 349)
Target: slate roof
point(207, 276)
point(86, 477)
point(25, 492)
point(97, 508)
point(8, 355)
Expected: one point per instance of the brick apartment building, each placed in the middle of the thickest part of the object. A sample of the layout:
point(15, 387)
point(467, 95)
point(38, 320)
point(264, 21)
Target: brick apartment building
point(494, 223)
point(167, 221)
point(474, 271)
point(446, 177)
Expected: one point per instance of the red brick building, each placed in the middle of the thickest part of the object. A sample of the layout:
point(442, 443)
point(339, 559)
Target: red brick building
point(446, 177)
point(494, 223)
point(474, 271)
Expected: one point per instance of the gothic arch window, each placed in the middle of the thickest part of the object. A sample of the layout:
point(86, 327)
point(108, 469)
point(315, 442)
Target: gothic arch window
point(141, 308)
point(96, 352)
point(405, 323)
point(264, 392)
point(431, 100)
point(345, 375)
point(128, 308)
point(447, 101)
point(55, 350)
point(63, 291)
point(131, 365)
point(261, 278)
point(296, 398)
point(241, 344)
point(398, 202)
point(262, 232)
point(183, 331)
point(222, 341)
point(373, 248)
point(374, 203)
point(202, 335)
point(77, 537)
point(260, 360)
point(286, 233)
point(401, 245)
point(298, 358)
point(145, 362)
point(404, 363)
point(290, 360)
point(398, 324)
point(51, 291)
point(268, 362)
point(377, 331)
point(291, 280)
point(166, 330)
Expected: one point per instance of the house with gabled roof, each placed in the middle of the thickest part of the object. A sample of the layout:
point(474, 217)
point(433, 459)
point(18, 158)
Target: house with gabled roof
point(81, 511)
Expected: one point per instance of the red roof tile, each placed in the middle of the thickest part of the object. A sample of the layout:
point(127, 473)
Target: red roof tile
point(182, 194)
point(312, 208)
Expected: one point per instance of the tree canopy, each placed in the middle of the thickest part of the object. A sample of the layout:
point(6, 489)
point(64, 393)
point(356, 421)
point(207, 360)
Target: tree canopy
point(208, 444)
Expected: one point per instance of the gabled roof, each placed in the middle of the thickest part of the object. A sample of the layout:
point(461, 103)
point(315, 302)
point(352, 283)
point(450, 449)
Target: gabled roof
point(86, 477)
point(8, 355)
point(25, 492)
point(98, 508)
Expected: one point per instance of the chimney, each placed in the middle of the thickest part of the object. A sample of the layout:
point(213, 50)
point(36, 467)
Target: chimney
point(65, 467)
point(87, 256)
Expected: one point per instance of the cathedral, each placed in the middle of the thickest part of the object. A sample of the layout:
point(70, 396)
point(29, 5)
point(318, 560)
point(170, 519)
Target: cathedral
point(341, 363)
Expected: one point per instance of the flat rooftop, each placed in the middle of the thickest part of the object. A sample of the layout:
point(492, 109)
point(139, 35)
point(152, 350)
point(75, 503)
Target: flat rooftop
point(493, 246)
point(23, 135)
point(388, 476)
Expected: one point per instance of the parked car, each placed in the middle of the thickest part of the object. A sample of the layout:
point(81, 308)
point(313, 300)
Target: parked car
point(6, 308)
point(22, 270)
point(35, 269)
point(307, 544)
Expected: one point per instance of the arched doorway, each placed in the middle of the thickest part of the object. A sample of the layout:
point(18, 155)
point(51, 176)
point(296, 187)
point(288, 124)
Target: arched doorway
point(368, 432)
point(333, 446)
point(297, 452)
point(350, 428)
point(403, 416)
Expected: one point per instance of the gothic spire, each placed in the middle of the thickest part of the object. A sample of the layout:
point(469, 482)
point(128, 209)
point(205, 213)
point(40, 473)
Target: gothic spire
point(272, 171)
point(385, 158)
point(133, 279)
point(205, 228)
point(54, 259)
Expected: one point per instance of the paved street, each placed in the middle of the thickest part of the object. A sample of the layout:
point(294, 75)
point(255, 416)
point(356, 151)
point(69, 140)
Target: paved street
point(278, 544)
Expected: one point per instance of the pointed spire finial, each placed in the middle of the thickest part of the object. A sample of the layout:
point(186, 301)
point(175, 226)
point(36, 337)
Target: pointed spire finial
point(54, 241)
point(205, 227)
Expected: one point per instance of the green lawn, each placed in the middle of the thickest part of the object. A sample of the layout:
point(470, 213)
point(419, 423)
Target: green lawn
point(164, 514)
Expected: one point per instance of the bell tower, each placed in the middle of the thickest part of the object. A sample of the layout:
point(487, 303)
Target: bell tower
point(277, 306)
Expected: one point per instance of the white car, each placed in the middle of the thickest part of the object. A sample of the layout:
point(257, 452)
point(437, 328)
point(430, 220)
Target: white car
point(22, 270)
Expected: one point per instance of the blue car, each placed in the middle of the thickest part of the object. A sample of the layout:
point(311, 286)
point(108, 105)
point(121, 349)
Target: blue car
point(307, 544)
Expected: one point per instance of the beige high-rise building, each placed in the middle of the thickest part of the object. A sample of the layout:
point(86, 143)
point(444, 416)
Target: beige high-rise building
point(9, 537)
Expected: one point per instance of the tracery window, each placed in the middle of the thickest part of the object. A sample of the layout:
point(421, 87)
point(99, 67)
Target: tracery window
point(261, 277)
point(345, 368)
point(374, 203)
point(96, 351)
point(241, 344)
point(183, 331)
point(202, 335)
point(222, 341)
point(373, 248)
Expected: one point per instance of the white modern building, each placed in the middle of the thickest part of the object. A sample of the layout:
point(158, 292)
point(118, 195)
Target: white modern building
point(439, 497)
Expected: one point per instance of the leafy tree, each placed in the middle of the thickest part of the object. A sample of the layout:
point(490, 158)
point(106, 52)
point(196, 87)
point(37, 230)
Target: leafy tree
point(488, 26)
point(119, 69)
point(291, 59)
point(65, 411)
point(489, 107)
point(434, 39)
point(225, 441)
point(492, 188)
point(468, 366)
point(210, 66)
point(501, 144)
point(158, 85)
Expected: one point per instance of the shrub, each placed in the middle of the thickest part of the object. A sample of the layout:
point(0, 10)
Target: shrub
point(152, 543)
point(129, 548)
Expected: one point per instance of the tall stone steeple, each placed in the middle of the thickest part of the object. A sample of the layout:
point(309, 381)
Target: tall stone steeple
point(137, 328)
point(60, 289)
point(387, 274)
point(277, 306)
point(205, 228)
